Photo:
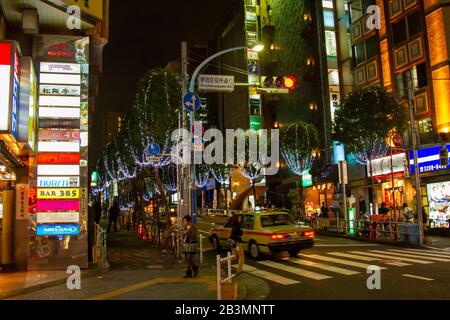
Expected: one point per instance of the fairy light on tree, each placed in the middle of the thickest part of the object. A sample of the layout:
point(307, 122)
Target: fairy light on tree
point(364, 120)
point(299, 145)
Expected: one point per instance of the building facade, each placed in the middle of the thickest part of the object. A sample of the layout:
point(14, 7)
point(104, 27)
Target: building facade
point(389, 41)
point(51, 54)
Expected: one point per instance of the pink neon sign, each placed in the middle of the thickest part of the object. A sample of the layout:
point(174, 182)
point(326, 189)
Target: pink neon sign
point(58, 205)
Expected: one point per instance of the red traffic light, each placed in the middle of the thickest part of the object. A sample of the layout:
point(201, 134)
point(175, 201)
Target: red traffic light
point(290, 82)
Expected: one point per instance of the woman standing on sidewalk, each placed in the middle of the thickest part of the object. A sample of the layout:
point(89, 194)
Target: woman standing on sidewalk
point(190, 247)
point(235, 241)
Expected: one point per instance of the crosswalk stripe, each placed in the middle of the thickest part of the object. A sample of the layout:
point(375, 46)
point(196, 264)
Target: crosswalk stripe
point(419, 255)
point(391, 256)
point(269, 276)
point(417, 277)
point(354, 256)
point(430, 252)
point(340, 261)
point(324, 266)
point(294, 270)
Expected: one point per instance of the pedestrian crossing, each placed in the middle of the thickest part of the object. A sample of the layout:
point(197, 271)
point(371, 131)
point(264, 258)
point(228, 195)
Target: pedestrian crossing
point(325, 266)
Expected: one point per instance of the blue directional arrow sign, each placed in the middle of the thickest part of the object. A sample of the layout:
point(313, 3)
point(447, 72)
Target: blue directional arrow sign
point(154, 149)
point(191, 102)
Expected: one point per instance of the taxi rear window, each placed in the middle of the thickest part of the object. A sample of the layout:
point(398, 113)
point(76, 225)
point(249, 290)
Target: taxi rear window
point(276, 220)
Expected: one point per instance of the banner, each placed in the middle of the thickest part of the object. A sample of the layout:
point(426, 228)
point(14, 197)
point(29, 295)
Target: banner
point(58, 205)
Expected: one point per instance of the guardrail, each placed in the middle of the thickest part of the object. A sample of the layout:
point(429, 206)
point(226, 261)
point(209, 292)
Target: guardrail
point(370, 229)
point(230, 276)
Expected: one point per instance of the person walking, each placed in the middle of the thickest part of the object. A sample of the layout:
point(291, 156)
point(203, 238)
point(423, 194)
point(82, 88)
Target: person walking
point(235, 241)
point(114, 212)
point(190, 247)
point(362, 206)
point(324, 210)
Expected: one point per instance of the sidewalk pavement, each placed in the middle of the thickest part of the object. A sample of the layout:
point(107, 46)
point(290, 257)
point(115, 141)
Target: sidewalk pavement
point(138, 271)
point(440, 243)
point(23, 282)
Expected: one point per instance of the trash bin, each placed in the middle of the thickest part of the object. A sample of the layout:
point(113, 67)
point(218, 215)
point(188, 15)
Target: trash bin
point(413, 231)
point(403, 229)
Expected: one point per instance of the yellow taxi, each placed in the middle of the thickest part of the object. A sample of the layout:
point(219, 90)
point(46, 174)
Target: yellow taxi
point(266, 232)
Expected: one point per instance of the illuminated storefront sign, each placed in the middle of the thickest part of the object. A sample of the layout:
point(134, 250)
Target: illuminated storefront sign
point(58, 170)
point(15, 95)
point(59, 67)
point(58, 182)
point(9, 87)
point(439, 204)
point(60, 101)
point(53, 78)
point(58, 217)
point(27, 116)
point(57, 205)
point(61, 113)
point(383, 166)
point(56, 90)
point(57, 230)
point(69, 193)
point(5, 84)
point(59, 135)
point(59, 158)
point(339, 152)
point(58, 123)
point(58, 146)
point(428, 159)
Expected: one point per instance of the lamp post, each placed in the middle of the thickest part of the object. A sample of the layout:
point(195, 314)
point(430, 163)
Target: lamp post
point(257, 48)
point(415, 147)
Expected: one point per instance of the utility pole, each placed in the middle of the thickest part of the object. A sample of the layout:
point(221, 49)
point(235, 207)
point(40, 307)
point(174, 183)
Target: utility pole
point(415, 146)
point(186, 194)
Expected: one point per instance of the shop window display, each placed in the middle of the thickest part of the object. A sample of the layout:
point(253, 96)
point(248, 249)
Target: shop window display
point(439, 204)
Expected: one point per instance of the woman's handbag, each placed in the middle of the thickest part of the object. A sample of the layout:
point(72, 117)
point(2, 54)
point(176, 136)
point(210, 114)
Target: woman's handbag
point(190, 247)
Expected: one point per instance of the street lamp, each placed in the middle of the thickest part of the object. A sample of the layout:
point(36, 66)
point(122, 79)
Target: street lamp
point(257, 48)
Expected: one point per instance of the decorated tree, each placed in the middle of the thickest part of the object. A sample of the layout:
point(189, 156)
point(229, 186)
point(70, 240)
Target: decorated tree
point(364, 119)
point(299, 142)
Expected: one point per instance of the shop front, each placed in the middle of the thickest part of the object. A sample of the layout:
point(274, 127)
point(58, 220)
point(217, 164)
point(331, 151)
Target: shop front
point(316, 195)
point(435, 180)
point(391, 187)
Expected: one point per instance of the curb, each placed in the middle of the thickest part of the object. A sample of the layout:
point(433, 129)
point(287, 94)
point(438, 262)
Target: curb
point(252, 288)
point(21, 291)
point(385, 242)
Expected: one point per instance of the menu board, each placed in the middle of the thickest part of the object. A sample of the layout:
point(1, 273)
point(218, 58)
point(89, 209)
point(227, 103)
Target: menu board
point(439, 202)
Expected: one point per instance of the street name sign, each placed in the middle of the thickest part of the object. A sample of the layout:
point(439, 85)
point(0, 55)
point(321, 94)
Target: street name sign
point(215, 83)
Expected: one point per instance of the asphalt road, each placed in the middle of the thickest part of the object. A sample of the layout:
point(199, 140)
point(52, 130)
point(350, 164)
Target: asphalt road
point(337, 268)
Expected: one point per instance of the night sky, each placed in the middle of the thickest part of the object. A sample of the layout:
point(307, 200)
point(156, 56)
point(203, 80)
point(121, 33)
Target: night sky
point(146, 34)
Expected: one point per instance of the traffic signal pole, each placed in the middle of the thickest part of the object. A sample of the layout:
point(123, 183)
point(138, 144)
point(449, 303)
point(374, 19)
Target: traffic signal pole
point(193, 193)
point(415, 146)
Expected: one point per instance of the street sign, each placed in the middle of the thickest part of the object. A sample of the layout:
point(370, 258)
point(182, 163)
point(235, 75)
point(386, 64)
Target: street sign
point(153, 159)
point(191, 102)
point(154, 149)
point(216, 83)
point(397, 140)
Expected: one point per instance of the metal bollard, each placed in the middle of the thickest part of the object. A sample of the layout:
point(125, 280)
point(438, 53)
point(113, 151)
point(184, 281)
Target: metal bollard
point(201, 248)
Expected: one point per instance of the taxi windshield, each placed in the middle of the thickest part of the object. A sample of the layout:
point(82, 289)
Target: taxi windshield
point(276, 220)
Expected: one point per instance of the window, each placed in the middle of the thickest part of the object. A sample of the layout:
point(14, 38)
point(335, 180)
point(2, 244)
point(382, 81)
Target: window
point(407, 28)
point(399, 31)
point(358, 8)
point(426, 132)
point(248, 222)
point(418, 76)
point(366, 50)
point(276, 220)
